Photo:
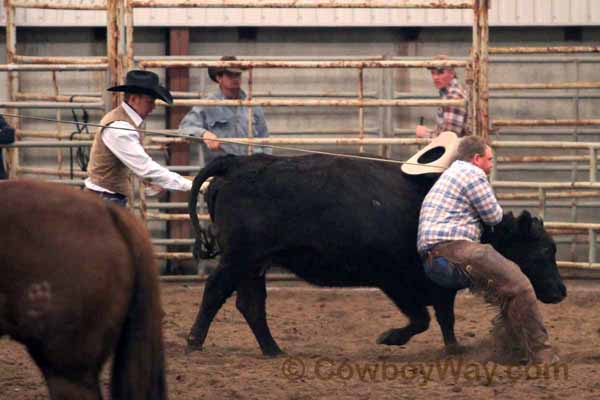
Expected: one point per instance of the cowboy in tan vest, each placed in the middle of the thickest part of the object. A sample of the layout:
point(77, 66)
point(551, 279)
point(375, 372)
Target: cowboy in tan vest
point(118, 149)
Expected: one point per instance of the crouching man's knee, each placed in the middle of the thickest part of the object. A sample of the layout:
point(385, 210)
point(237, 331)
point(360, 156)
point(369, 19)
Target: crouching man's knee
point(483, 253)
point(511, 280)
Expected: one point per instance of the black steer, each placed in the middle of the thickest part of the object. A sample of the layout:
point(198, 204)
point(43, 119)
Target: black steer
point(337, 222)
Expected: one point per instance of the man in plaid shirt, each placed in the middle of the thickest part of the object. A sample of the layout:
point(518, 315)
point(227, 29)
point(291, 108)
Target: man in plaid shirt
point(448, 242)
point(448, 118)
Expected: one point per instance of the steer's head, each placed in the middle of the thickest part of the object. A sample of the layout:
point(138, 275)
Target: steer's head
point(525, 241)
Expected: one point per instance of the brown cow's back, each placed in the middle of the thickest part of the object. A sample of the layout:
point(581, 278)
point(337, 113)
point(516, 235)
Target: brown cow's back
point(71, 265)
point(41, 223)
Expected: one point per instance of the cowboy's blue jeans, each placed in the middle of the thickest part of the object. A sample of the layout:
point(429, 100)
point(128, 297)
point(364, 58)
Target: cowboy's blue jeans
point(445, 273)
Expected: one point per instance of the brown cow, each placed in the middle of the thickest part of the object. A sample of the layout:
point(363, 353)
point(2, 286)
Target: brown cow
point(78, 282)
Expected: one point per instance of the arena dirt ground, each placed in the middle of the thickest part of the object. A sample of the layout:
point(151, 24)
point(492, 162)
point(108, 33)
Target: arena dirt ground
point(329, 337)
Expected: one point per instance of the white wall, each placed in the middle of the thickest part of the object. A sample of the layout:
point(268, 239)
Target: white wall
point(502, 13)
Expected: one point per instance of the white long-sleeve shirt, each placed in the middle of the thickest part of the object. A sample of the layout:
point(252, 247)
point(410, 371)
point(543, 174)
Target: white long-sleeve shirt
point(123, 141)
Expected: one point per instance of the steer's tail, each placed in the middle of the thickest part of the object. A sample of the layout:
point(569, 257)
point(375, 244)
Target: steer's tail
point(138, 371)
point(206, 246)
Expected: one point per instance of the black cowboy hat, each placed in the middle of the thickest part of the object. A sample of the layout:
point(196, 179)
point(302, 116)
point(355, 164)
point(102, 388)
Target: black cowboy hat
point(214, 71)
point(144, 82)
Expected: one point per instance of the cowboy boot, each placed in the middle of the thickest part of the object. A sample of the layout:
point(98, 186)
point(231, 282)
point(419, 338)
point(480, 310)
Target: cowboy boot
point(523, 313)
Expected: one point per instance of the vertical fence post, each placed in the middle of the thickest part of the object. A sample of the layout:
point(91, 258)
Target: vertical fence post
point(542, 202)
point(12, 159)
point(593, 244)
point(178, 79)
point(361, 109)
point(130, 62)
point(593, 164)
point(575, 164)
point(475, 57)
point(250, 109)
point(59, 126)
point(114, 49)
point(386, 91)
point(483, 69)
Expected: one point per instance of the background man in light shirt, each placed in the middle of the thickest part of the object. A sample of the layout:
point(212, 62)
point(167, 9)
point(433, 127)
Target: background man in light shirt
point(450, 225)
point(117, 149)
point(447, 118)
point(214, 122)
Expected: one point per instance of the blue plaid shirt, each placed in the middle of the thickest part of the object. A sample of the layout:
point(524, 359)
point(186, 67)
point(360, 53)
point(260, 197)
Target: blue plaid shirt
point(456, 205)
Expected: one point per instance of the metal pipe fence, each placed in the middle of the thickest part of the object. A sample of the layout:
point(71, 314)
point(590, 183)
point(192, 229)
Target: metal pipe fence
point(120, 25)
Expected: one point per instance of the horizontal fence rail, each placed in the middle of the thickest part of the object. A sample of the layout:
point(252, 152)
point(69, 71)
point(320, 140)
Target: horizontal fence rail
point(431, 4)
point(557, 85)
point(544, 50)
point(51, 104)
point(545, 122)
point(304, 64)
point(319, 103)
point(53, 67)
point(60, 4)
point(60, 60)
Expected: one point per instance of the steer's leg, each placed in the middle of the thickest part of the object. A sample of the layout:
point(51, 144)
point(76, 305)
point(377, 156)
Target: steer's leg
point(251, 302)
point(80, 384)
point(417, 314)
point(60, 387)
point(219, 286)
point(444, 313)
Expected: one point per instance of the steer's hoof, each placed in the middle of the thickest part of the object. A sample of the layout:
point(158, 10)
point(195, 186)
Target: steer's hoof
point(193, 344)
point(455, 349)
point(273, 353)
point(393, 337)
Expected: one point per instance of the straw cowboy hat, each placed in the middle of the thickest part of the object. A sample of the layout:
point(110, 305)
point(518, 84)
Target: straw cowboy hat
point(435, 157)
point(441, 57)
point(144, 82)
point(214, 71)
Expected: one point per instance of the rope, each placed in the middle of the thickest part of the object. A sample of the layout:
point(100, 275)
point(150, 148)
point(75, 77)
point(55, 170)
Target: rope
point(193, 138)
point(82, 155)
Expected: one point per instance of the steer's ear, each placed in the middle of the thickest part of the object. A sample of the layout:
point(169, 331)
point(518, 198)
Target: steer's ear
point(507, 226)
point(509, 218)
point(537, 228)
point(524, 222)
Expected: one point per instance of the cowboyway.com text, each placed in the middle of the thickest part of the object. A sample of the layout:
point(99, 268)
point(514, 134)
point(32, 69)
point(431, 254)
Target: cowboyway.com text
point(454, 370)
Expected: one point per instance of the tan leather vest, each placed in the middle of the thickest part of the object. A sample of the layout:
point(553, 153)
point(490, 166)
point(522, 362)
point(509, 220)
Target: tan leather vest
point(104, 168)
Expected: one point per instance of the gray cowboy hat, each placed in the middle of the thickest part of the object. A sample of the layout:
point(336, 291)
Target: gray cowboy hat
point(214, 71)
point(144, 82)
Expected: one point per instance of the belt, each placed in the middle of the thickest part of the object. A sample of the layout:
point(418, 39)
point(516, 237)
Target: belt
point(116, 196)
point(431, 252)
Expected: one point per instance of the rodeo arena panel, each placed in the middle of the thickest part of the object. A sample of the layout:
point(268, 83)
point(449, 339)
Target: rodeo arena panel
point(299, 199)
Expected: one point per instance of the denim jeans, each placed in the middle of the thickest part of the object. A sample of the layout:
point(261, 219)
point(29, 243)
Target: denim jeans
point(445, 273)
point(115, 198)
point(2, 171)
